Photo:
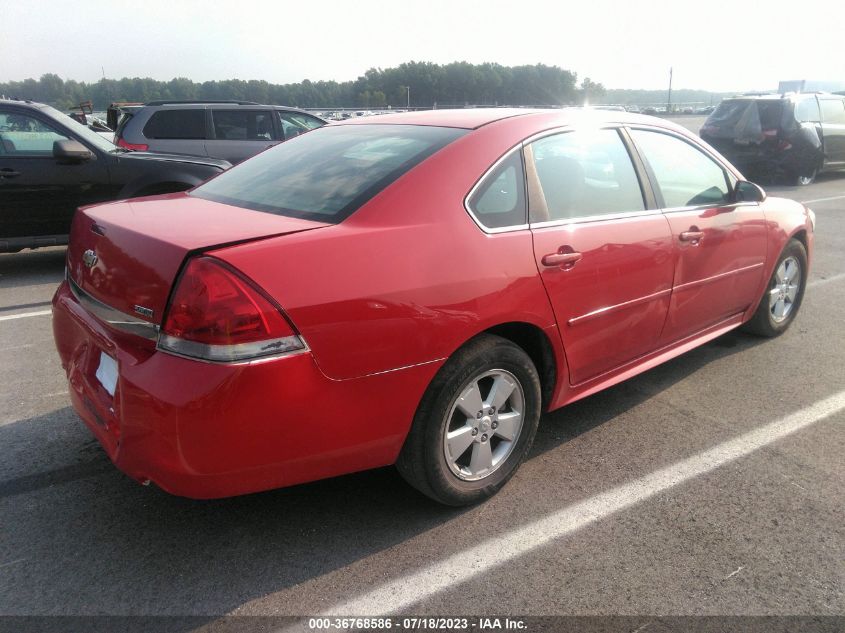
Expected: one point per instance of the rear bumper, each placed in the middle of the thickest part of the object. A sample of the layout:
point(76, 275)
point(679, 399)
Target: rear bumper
point(207, 430)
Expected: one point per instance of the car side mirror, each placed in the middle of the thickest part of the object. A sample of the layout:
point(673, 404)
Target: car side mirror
point(70, 151)
point(748, 192)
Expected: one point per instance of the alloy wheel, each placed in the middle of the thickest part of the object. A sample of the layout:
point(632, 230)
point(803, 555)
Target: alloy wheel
point(785, 291)
point(483, 424)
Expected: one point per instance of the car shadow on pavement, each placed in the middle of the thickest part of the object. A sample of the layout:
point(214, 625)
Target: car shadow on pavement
point(83, 538)
point(32, 267)
point(580, 417)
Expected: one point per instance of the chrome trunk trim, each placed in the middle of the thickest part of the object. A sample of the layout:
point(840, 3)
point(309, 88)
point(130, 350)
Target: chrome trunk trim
point(111, 317)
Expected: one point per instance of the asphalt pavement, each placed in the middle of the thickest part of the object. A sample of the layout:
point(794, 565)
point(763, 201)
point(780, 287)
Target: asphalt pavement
point(711, 485)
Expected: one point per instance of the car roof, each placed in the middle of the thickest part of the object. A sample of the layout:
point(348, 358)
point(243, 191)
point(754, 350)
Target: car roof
point(26, 103)
point(218, 105)
point(473, 118)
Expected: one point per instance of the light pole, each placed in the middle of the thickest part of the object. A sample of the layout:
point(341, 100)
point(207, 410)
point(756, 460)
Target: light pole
point(669, 98)
point(409, 96)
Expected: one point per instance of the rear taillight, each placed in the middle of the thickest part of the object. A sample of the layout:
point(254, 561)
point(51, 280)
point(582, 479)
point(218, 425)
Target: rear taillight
point(218, 315)
point(135, 147)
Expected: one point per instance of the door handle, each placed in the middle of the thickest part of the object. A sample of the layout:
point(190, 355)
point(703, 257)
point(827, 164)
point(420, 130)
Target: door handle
point(6, 172)
point(564, 260)
point(691, 236)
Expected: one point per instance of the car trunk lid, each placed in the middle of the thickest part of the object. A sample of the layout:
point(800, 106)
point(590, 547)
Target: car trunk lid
point(127, 254)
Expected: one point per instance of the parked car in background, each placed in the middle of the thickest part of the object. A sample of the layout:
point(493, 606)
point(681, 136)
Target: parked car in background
point(794, 137)
point(412, 289)
point(51, 164)
point(230, 130)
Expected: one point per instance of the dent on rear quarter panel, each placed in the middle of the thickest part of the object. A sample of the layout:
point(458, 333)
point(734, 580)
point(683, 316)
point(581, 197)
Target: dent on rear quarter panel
point(409, 277)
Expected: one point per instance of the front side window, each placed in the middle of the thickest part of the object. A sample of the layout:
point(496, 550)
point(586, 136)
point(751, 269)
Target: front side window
point(295, 123)
point(833, 111)
point(21, 134)
point(328, 174)
point(686, 176)
point(176, 124)
point(242, 125)
point(499, 201)
point(583, 173)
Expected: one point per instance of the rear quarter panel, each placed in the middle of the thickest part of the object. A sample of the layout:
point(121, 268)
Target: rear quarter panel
point(409, 277)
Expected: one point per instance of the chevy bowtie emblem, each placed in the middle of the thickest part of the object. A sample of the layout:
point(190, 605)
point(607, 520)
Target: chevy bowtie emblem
point(89, 258)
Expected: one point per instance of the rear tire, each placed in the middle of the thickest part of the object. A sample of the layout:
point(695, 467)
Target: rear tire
point(803, 178)
point(785, 291)
point(475, 424)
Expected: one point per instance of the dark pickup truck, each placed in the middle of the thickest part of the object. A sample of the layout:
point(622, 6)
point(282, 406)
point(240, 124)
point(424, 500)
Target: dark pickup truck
point(51, 164)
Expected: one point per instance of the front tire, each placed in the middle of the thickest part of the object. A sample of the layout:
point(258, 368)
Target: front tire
point(782, 299)
point(475, 424)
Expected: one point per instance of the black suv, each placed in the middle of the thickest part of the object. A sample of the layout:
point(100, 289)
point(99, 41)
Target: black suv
point(231, 130)
point(51, 164)
point(790, 136)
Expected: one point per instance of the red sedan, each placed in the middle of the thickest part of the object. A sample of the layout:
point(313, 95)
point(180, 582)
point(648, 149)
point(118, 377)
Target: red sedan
point(412, 289)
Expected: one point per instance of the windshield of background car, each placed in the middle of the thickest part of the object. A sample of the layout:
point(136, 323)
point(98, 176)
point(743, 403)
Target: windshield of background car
point(82, 132)
point(328, 173)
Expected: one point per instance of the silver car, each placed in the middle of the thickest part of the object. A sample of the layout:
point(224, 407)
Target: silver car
point(230, 130)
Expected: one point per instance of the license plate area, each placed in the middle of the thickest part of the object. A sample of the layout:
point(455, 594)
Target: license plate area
point(107, 373)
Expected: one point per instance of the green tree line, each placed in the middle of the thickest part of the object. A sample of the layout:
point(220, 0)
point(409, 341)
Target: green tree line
point(426, 83)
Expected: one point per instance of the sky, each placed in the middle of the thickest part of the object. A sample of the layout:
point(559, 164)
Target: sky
point(710, 44)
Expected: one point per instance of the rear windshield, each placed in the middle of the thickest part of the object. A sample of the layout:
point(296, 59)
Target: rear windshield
point(328, 173)
point(176, 124)
point(746, 117)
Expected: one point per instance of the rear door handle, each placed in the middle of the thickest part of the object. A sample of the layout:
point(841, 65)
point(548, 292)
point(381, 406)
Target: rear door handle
point(563, 260)
point(6, 172)
point(691, 236)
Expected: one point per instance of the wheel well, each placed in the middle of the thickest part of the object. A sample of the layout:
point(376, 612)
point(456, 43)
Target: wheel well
point(801, 236)
point(536, 344)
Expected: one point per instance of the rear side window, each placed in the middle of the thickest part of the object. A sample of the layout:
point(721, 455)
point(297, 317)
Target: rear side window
point(807, 111)
point(686, 176)
point(328, 174)
point(833, 111)
point(176, 124)
point(499, 201)
point(583, 173)
point(243, 125)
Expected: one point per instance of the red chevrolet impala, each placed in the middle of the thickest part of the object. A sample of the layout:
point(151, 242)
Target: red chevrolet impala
point(412, 289)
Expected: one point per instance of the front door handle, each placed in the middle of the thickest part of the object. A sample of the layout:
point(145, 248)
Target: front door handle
point(6, 172)
point(691, 236)
point(564, 260)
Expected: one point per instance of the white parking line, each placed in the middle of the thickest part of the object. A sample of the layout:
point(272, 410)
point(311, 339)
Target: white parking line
point(25, 315)
point(826, 280)
point(822, 199)
point(394, 596)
